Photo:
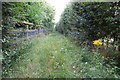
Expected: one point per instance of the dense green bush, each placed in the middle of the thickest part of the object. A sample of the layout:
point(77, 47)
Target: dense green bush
point(13, 53)
point(39, 13)
point(89, 20)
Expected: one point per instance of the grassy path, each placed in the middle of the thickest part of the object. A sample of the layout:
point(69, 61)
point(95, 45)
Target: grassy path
point(54, 56)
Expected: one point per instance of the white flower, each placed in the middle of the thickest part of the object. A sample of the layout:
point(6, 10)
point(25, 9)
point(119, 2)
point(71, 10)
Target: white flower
point(86, 62)
point(62, 48)
point(81, 71)
point(74, 71)
point(73, 66)
point(92, 68)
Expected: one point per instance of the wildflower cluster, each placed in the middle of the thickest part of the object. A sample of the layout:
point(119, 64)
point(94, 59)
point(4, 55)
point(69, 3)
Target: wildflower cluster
point(103, 57)
point(97, 42)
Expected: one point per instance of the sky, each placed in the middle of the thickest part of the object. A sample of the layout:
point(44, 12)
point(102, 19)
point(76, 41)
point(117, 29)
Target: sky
point(59, 6)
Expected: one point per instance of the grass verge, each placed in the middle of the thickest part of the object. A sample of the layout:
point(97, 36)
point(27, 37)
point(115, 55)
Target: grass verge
point(55, 56)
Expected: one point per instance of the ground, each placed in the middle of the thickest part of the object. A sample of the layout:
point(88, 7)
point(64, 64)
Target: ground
point(55, 56)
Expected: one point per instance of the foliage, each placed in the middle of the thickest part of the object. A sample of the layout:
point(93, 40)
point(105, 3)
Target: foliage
point(89, 20)
point(54, 53)
point(39, 13)
point(85, 22)
point(12, 53)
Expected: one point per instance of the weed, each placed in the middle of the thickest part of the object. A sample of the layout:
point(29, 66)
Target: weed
point(54, 56)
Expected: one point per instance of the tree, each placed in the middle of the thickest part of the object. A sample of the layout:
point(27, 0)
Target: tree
point(89, 20)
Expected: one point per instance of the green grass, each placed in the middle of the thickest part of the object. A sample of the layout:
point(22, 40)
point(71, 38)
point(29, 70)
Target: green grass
point(55, 56)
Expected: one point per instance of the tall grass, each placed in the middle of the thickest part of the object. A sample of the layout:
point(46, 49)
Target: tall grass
point(55, 56)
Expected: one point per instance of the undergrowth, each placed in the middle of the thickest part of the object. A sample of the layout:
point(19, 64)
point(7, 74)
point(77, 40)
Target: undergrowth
point(55, 56)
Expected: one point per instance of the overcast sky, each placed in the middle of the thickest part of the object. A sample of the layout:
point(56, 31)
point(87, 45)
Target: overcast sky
point(59, 6)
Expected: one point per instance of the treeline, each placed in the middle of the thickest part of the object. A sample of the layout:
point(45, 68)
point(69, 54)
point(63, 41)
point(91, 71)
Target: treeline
point(88, 21)
point(40, 14)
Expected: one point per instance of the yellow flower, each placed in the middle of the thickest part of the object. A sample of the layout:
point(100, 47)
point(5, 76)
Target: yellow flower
point(103, 57)
point(104, 43)
point(97, 66)
point(97, 42)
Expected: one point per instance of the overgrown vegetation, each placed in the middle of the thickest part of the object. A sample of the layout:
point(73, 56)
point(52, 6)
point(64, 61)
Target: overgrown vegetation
point(85, 22)
point(14, 14)
point(55, 56)
point(88, 21)
point(80, 51)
